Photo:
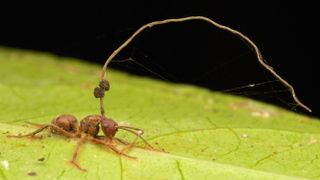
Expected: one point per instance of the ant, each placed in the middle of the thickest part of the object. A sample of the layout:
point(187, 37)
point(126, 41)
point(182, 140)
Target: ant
point(67, 125)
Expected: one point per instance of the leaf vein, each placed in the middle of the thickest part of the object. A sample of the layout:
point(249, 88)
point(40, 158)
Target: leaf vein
point(121, 168)
point(2, 174)
point(178, 163)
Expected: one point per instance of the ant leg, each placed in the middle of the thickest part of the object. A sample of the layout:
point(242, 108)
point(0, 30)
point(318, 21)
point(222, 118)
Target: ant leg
point(75, 153)
point(107, 139)
point(98, 141)
point(31, 134)
point(121, 141)
point(34, 124)
point(118, 139)
point(138, 134)
point(130, 145)
point(63, 132)
point(56, 128)
point(100, 137)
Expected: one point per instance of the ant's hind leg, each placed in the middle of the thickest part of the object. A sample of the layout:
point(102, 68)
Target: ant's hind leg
point(76, 152)
point(31, 134)
point(56, 128)
point(62, 131)
point(35, 124)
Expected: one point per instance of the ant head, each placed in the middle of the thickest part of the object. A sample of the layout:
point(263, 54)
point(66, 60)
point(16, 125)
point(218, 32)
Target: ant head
point(66, 122)
point(109, 127)
point(90, 124)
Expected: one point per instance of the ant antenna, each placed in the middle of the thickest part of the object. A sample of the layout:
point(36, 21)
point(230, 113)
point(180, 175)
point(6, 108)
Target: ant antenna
point(254, 48)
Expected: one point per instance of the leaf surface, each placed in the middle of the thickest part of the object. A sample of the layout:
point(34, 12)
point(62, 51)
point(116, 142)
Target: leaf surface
point(205, 135)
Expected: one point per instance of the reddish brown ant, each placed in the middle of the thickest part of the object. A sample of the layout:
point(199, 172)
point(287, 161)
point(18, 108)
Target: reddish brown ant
point(67, 125)
point(88, 129)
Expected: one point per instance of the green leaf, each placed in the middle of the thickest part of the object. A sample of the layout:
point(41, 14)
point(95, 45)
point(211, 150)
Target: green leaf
point(206, 135)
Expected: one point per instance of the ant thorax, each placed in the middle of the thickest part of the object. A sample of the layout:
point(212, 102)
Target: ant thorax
point(90, 125)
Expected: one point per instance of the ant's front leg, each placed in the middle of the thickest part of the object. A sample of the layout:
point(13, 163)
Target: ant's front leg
point(122, 141)
point(109, 145)
point(138, 132)
point(107, 140)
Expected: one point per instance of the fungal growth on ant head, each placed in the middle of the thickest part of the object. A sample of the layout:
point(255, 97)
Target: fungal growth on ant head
point(99, 93)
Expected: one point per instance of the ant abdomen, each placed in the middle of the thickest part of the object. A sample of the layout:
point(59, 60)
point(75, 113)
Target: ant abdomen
point(90, 125)
point(66, 122)
point(109, 127)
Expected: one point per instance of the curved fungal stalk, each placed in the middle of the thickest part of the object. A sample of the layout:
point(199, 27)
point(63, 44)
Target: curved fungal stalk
point(220, 26)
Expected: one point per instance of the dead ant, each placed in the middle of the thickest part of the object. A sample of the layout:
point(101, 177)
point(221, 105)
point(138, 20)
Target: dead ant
point(67, 125)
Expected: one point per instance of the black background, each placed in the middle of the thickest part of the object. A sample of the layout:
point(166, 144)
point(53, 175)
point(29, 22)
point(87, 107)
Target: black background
point(192, 52)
